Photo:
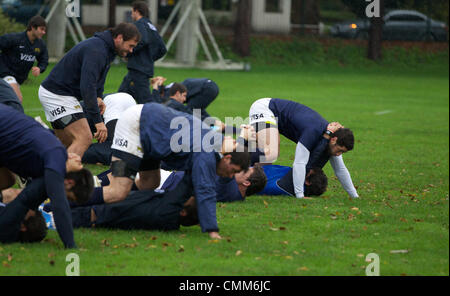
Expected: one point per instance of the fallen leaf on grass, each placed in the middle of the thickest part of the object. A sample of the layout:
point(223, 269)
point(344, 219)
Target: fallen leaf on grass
point(266, 204)
point(181, 249)
point(213, 241)
point(304, 268)
point(6, 264)
point(399, 251)
point(238, 253)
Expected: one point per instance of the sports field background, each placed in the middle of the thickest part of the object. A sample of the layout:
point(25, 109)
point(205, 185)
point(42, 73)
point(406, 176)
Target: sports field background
point(400, 166)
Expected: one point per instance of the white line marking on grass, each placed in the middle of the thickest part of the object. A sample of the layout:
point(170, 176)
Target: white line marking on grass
point(383, 112)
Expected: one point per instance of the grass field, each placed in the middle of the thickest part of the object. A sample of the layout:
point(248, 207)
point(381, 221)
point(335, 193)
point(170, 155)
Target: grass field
point(400, 166)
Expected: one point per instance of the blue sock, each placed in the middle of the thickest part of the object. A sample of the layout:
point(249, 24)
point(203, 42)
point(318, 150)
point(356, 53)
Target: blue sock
point(104, 177)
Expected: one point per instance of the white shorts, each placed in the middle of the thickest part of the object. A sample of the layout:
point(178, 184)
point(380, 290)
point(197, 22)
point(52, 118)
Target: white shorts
point(127, 136)
point(116, 104)
point(58, 106)
point(10, 79)
point(164, 175)
point(260, 112)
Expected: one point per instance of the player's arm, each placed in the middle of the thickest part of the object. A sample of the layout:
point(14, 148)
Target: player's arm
point(159, 48)
point(92, 66)
point(343, 175)
point(42, 59)
point(299, 169)
point(203, 180)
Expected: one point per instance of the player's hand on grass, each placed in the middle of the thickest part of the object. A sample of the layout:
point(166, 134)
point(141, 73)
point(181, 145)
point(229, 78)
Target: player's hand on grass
point(214, 235)
point(102, 132)
point(101, 105)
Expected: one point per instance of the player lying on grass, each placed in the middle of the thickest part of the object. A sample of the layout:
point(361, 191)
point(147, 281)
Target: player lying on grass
point(31, 151)
point(20, 220)
point(315, 137)
point(147, 209)
point(201, 92)
point(151, 134)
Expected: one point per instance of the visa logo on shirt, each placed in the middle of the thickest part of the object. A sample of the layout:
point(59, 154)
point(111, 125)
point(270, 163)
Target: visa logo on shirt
point(27, 57)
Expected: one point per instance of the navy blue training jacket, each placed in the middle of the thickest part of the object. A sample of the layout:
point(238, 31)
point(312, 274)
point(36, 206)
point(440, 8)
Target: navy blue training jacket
point(159, 126)
point(18, 55)
point(150, 48)
point(81, 73)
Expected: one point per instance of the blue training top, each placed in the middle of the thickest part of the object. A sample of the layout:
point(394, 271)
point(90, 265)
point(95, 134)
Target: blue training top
point(18, 55)
point(81, 73)
point(298, 122)
point(182, 142)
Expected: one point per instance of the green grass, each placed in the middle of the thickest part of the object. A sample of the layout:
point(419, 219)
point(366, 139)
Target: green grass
point(400, 166)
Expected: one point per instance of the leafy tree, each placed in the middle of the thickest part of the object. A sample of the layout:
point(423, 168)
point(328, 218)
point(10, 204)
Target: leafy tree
point(8, 25)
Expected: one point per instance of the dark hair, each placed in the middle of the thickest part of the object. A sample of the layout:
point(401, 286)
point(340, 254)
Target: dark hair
point(242, 159)
point(128, 31)
point(36, 21)
point(141, 7)
point(177, 87)
point(191, 217)
point(84, 185)
point(345, 138)
point(36, 229)
point(257, 179)
point(318, 182)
